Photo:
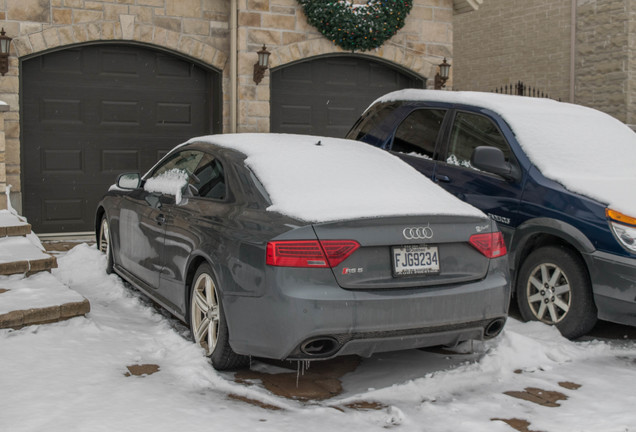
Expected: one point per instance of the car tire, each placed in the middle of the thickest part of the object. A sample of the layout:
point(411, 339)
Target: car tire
point(553, 287)
point(104, 244)
point(207, 322)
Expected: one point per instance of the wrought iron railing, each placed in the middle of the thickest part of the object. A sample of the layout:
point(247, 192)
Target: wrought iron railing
point(520, 89)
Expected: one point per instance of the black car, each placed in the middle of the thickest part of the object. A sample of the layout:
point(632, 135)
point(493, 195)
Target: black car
point(296, 247)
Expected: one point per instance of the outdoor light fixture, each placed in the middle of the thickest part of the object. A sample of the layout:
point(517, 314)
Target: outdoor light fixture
point(261, 65)
point(5, 46)
point(442, 76)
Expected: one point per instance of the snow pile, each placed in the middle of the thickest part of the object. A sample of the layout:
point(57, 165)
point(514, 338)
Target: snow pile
point(170, 182)
point(70, 376)
point(587, 151)
point(37, 291)
point(321, 179)
point(10, 219)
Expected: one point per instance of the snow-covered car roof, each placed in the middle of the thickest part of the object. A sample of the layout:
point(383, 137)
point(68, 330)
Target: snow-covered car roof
point(587, 151)
point(319, 179)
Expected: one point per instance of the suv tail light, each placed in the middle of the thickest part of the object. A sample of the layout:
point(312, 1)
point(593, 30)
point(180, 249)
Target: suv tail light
point(309, 253)
point(490, 244)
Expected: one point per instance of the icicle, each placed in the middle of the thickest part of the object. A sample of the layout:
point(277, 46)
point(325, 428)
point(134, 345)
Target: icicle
point(301, 367)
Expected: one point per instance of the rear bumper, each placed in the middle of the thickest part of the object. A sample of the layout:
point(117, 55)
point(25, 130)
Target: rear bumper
point(362, 322)
point(614, 285)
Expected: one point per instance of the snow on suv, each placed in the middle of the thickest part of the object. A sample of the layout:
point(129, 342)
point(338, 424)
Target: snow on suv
point(559, 179)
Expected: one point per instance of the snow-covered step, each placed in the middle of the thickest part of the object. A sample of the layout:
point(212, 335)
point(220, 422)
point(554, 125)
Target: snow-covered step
point(37, 299)
point(12, 225)
point(20, 255)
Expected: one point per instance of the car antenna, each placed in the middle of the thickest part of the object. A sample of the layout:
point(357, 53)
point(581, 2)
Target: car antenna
point(318, 143)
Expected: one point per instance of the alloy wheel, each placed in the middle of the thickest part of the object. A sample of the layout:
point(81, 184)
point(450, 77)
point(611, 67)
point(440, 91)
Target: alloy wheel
point(549, 293)
point(205, 313)
point(104, 243)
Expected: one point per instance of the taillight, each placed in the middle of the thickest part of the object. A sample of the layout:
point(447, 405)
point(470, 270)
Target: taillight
point(490, 244)
point(309, 253)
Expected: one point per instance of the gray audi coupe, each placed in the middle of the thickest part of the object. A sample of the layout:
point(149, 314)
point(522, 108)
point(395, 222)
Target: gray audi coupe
point(304, 248)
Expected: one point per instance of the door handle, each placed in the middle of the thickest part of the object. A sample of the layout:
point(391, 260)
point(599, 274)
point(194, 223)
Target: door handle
point(442, 178)
point(161, 219)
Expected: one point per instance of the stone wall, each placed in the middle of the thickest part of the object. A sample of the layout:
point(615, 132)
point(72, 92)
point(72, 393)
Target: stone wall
point(200, 29)
point(529, 40)
point(3, 168)
point(506, 41)
point(602, 66)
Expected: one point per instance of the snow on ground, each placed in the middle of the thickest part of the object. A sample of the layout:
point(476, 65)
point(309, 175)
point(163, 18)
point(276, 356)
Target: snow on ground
point(70, 376)
point(38, 291)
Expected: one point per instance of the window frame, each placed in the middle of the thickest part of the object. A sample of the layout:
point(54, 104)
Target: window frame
point(225, 177)
point(442, 156)
point(439, 140)
point(168, 158)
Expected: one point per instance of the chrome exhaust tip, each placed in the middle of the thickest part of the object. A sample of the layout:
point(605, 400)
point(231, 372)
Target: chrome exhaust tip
point(319, 347)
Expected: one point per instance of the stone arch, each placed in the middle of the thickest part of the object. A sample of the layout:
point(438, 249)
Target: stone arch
point(413, 61)
point(124, 31)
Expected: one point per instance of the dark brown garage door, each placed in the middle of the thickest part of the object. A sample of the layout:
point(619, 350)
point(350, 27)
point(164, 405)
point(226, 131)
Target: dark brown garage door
point(325, 96)
point(91, 112)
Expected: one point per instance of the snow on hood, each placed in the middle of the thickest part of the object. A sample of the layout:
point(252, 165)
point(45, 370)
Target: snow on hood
point(319, 179)
point(587, 151)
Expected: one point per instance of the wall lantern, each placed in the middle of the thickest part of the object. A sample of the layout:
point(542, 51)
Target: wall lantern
point(5, 46)
point(442, 76)
point(261, 65)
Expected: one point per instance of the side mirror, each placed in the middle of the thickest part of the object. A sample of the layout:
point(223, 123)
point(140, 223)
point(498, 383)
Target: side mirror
point(129, 181)
point(492, 160)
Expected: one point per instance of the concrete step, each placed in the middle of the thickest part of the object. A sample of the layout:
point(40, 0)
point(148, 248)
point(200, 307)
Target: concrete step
point(22, 255)
point(37, 299)
point(12, 225)
point(29, 293)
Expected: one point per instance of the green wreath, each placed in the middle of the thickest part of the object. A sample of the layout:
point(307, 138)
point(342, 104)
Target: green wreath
point(357, 27)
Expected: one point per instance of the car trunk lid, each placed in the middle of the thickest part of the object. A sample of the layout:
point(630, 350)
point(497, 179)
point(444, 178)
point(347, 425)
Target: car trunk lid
point(413, 251)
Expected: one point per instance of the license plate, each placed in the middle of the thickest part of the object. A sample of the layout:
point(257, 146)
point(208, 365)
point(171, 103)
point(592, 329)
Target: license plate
point(415, 260)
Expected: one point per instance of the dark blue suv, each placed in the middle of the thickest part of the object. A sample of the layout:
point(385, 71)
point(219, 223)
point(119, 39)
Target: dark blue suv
point(559, 179)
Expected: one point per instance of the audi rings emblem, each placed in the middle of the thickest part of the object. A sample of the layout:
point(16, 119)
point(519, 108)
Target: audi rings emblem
point(417, 233)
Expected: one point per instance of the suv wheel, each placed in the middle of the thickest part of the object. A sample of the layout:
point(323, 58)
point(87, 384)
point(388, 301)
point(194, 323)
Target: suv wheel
point(553, 287)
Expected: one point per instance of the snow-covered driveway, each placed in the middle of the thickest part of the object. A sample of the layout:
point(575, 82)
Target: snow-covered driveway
point(73, 376)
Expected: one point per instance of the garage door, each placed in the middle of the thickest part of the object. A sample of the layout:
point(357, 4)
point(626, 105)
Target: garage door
point(89, 113)
point(325, 96)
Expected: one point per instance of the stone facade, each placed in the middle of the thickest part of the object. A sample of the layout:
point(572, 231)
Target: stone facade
point(507, 41)
point(603, 56)
point(201, 30)
point(531, 40)
point(3, 167)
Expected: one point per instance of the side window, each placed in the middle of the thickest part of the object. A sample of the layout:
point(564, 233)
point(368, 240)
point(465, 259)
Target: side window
point(186, 161)
point(211, 179)
point(418, 133)
point(470, 131)
point(173, 174)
